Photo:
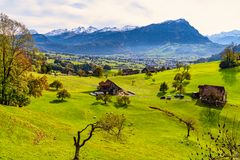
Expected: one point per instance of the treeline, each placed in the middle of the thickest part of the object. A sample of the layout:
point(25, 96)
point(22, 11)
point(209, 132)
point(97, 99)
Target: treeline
point(230, 57)
point(41, 65)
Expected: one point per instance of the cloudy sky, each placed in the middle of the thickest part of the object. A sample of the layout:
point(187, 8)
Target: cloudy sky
point(208, 16)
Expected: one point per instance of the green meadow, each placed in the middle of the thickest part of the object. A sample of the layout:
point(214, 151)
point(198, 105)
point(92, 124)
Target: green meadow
point(44, 129)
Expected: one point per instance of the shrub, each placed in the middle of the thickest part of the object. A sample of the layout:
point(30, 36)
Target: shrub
point(123, 100)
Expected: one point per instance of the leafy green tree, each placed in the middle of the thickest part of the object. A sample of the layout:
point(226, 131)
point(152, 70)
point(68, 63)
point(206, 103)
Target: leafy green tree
point(37, 85)
point(56, 84)
point(107, 67)
point(98, 72)
point(81, 73)
point(148, 74)
point(15, 46)
point(230, 58)
point(175, 85)
point(186, 68)
point(163, 87)
point(179, 65)
point(179, 80)
point(119, 72)
point(104, 97)
point(63, 94)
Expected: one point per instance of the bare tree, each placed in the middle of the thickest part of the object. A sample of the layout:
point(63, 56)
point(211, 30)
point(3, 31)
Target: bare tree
point(221, 145)
point(77, 139)
point(111, 123)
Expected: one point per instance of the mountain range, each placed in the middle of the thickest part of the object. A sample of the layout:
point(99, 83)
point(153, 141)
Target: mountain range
point(173, 37)
point(226, 38)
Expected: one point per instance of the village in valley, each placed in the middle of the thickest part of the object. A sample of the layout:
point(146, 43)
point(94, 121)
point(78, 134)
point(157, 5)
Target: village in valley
point(156, 91)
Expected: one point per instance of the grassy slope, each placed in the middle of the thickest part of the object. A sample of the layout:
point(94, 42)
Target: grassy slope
point(44, 129)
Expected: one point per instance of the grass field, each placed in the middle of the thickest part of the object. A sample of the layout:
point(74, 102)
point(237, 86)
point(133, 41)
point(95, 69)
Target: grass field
point(44, 129)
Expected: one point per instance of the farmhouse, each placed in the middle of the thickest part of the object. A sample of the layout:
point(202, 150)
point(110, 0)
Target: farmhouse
point(212, 95)
point(109, 87)
point(149, 69)
point(129, 71)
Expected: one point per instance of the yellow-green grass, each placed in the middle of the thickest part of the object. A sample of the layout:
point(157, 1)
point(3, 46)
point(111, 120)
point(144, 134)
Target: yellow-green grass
point(44, 129)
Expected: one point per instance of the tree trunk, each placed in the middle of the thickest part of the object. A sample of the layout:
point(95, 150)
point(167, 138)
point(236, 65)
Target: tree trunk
point(77, 150)
point(188, 131)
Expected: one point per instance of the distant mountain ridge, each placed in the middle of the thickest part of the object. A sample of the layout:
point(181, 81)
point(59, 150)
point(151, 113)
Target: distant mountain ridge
point(178, 35)
point(226, 38)
point(89, 29)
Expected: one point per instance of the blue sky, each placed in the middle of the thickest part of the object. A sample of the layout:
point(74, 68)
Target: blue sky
point(208, 16)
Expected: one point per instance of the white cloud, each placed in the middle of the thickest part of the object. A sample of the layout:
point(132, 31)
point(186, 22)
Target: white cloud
point(208, 16)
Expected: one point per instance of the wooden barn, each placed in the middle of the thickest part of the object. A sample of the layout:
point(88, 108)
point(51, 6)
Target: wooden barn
point(129, 72)
point(149, 69)
point(212, 95)
point(109, 87)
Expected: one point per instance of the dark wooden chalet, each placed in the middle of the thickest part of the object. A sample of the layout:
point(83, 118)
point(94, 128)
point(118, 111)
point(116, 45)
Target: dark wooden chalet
point(129, 72)
point(109, 87)
point(149, 69)
point(212, 95)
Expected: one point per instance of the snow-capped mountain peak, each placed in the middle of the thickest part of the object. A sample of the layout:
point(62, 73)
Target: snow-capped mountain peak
point(128, 28)
point(91, 29)
point(78, 30)
point(109, 29)
point(56, 32)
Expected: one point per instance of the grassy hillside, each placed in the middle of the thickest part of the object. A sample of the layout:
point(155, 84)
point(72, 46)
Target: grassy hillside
point(44, 129)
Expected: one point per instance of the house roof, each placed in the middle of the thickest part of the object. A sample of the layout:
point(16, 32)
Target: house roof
point(220, 88)
point(108, 83)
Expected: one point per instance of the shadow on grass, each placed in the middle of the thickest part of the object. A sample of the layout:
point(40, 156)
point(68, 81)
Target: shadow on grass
point(88, 92)
point(99, 103)
point(120, 105)
point(210, 117)
point(160, 94)
point(229, 75)
point(200, 104)
point(52, 90)
point(56, 101)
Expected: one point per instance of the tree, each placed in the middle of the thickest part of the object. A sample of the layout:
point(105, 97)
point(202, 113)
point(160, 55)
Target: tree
point(223, 144)
point(179, 65)
point(63, 94)
point(119, 72)
point(123, 100)
point(111, 123)
point(56, 84)
point(229, 58)
point(98, 72)
point(133, 82)
point(175, 85)
point(15, 47)
point(179, 79)
point(37, 85)
point(81, 73)
point(190, 126)
point(186, 68)
point(163, 87)
point(107, 67)
point(148, 74)
point(104, 97)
